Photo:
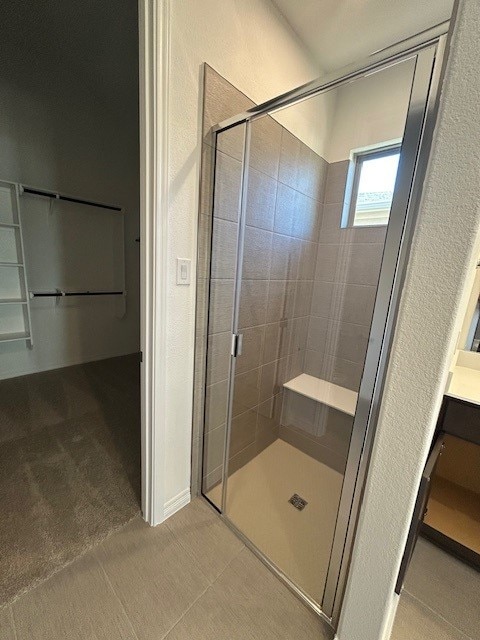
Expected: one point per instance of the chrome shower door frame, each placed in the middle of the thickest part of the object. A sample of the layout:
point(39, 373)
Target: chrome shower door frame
point(428, 49)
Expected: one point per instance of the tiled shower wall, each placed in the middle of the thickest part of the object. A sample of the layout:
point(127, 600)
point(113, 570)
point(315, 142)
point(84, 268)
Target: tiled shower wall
point(346, 277)
point(308, 289)
point(345, 283)
point(283, 217)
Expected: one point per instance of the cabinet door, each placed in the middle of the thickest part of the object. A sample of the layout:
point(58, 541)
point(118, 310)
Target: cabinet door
point(420, 510)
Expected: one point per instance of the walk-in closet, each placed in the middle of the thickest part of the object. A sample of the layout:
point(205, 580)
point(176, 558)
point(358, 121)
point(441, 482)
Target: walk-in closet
point(69, 282)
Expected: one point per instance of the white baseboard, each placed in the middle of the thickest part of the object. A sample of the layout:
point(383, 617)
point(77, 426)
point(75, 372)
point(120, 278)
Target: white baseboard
point(176, 503)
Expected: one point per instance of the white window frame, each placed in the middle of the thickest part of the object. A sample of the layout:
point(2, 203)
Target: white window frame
point(358, 158)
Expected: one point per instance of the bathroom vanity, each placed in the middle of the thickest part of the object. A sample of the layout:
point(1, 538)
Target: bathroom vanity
point(453, 511)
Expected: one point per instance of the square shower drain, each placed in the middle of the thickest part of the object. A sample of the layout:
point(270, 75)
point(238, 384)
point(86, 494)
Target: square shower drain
point(298, 502)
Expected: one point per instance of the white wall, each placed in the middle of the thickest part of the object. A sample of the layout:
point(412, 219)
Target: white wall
point(443, 256)
point(69, 95)
point(248, 43)
point(369, 111)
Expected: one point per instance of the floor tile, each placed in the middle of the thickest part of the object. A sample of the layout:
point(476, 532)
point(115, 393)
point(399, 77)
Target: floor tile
point(77, 603)
point(248, 602)
point(414, 621)
point(446, 585)
point(199, 530)
point(153, 576)
point(7, 632)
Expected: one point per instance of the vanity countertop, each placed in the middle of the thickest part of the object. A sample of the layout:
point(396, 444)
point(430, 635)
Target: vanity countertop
point(465, 384)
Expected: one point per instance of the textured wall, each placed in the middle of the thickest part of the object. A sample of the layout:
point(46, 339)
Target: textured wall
point(448, 227)
point(69, 102)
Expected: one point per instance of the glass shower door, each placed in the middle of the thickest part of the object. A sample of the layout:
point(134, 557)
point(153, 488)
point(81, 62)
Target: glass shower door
point(220, 271)
point(304, 204)
point(305, 293)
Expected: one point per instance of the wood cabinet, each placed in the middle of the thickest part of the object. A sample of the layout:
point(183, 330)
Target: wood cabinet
point(452, 518)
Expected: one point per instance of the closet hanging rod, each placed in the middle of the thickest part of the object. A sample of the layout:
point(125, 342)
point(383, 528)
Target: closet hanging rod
point(58, 196)
point(60, 294)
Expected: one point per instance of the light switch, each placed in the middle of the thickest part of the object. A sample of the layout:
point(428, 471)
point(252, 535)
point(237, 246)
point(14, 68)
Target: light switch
point(183, 270)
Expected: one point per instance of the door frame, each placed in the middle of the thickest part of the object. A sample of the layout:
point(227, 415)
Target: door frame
point(154, 47)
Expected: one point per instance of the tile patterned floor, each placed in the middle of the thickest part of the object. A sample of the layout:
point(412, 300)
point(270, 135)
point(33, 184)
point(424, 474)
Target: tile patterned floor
point(189, 578)
point(192, 579)
point(440, 600)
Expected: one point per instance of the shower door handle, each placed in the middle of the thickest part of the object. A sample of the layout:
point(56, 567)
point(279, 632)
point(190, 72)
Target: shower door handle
point(237, 344)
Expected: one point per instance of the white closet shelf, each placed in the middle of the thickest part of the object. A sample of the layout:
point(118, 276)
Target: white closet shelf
point(13, 337)
point(325, 392)
point(13, 301)
point(11, 264)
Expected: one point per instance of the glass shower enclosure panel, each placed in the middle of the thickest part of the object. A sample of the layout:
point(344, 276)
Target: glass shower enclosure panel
point(304, 204)
point(220, 273)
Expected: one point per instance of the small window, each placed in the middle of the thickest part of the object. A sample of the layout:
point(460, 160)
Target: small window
point(373, 185)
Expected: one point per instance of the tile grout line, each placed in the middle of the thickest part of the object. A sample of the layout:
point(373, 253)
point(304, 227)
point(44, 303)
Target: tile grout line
point(438, 615)
point(12, 619)
point(165, 637)
point(102, 568)
point(187, 549)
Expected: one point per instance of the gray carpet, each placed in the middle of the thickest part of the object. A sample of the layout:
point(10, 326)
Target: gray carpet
point(69, 466)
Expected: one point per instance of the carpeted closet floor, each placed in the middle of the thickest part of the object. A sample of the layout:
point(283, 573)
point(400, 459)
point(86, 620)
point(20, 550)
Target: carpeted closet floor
point(69, 466)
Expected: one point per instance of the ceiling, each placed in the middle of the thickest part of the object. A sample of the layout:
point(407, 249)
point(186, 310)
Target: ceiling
point(338, 32)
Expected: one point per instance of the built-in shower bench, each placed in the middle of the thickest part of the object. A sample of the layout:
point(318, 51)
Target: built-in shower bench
point(325, 392)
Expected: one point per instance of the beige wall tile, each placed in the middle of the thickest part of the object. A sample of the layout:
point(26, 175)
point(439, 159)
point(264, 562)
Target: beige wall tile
point(252, 347)
point(277, 341)
point(221, 99)
point(317, 334)
point(216, 405)
point(228, 183)
point(242, 433)
point(313, 449)
point(224, 249)
point(303, 298)
point(218, 360)
point(348, 341)
point(322, 299)
point(265, 142)
point(246, 389)
point(221, 306)
point(253, 303)
point(307, 261)
point(326, 263)
point(257, 251)
point(285, 257)
point(213, 448)
point(261, 198)
point(345, 373)
point(290, 160)
point(285, 210)
point(268, 422)
point(360, 263)
point(336, 181)
point(281, 300)
point(272, 378)
point(353, 303)
point(308, 217)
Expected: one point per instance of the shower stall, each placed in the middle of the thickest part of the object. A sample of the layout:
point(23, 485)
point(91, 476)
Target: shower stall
point(307, 210)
